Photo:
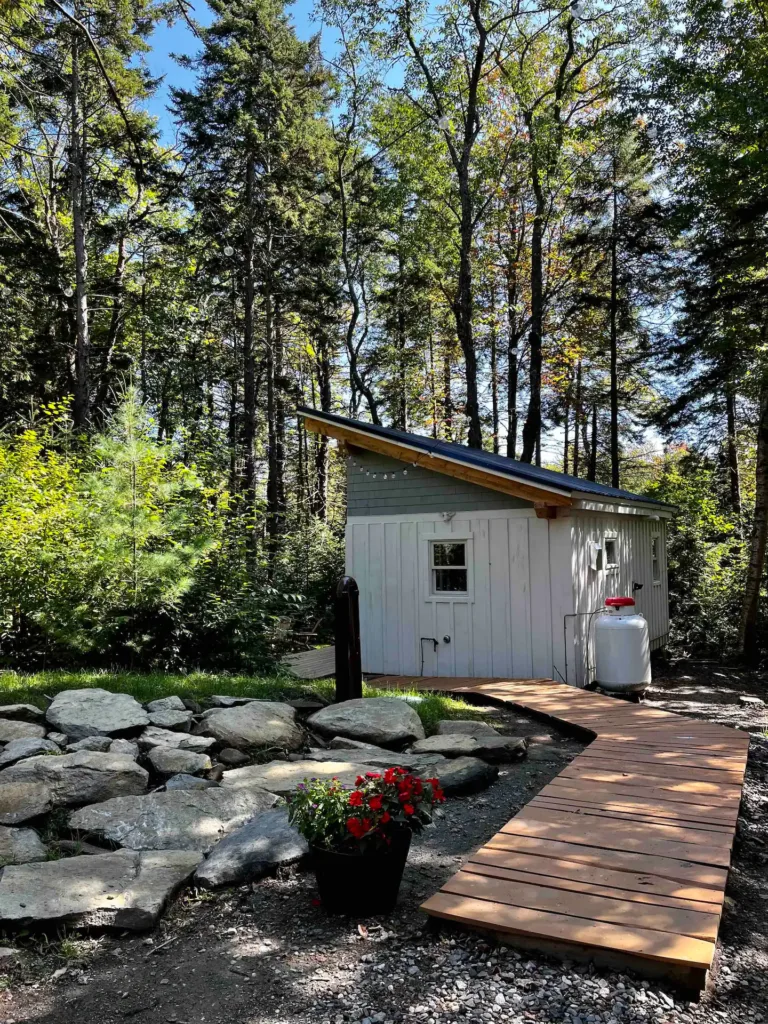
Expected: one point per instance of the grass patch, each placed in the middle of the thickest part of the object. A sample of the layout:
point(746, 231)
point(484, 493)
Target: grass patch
point(34, 688)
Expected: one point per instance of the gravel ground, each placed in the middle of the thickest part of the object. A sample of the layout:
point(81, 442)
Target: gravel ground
point(267, 954)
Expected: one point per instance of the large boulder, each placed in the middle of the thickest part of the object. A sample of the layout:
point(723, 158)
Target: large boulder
point(21, 801)
point(282, 777)
point(489, 748)
point(180, 720)
point(249, 726)
point(171, 760)
point(20, 846)
point(465, 727)
point(115, 890)
point(81, 778)
point(384, 721)
point(12, 729)
point(172, 703)
point(464, 775)
point(100, 743)
point(155, 737)
point(95, 712)
point(183, 781)
point(26, 712)
point(174, 820)
point(17, 750)
point(263, 844)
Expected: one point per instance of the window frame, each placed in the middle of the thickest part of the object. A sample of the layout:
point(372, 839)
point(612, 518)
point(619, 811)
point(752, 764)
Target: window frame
point(434, 569)
point(610, 566)
point(656, 560)
point(426, 571)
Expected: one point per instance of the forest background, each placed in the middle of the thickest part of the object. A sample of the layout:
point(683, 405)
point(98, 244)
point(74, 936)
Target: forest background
point(535, 226)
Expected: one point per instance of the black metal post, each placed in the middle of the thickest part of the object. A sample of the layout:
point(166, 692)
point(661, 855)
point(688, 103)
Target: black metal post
point(349, 673)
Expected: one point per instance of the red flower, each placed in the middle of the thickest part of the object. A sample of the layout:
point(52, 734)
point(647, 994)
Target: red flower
point(367, 824)
point(385, 817)
point(373, 775)
point(439, 795)
point(408, 808)
point(356, 798)
point(359, 780)
point(389, 775)
point(375, 802)
point(355, 826)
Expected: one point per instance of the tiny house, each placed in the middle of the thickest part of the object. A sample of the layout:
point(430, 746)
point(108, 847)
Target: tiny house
point(473, 564)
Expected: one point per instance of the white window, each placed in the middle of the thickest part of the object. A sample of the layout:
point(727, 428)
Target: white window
point(656, 558)
point(448, 567)
point(610, 553)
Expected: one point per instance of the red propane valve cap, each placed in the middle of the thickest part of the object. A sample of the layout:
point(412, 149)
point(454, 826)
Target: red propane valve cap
point(619, 602)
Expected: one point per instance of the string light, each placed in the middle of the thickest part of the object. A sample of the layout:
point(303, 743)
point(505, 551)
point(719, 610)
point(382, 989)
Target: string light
point(228, 250)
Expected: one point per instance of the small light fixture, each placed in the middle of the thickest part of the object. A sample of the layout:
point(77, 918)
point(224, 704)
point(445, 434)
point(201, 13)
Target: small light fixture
point(405, 472)
point(375, 475)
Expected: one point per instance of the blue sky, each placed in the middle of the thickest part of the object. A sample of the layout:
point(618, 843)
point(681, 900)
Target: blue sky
point(180, 39)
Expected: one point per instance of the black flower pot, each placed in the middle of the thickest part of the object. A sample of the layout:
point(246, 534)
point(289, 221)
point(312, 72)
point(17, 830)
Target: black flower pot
point(362, 884)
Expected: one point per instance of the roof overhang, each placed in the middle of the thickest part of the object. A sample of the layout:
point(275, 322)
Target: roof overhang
point(541, 495)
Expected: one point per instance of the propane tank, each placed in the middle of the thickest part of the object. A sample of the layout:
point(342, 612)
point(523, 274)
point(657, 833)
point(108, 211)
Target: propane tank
point(622, 650)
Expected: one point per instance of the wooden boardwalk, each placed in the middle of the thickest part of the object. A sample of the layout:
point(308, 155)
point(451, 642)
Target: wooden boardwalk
point(623, 858)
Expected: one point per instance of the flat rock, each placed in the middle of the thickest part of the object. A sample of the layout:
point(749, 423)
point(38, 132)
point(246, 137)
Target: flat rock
point(127, 747)
point(100, 743)
point(13, 729)
point(26, 712)
point(20, 846)
point(263, 844)
point(171, 760)
point(81, 778)
point(233, 758)
point(282, 777)
point(20, 801)
point(172, 703)
point(17, 750)
point(385, 759)
point(489, 748)
point(384, 721)
point(250, 726)
point(59, 738)
point(464, 727)
point(154, 737)
point(345, 743)
point(177, 819)
point(220, 700)
point(124, 890)
point(183, 781)
point(95, 712)
point(180, 720)
point(745, 699)
point(464, 775)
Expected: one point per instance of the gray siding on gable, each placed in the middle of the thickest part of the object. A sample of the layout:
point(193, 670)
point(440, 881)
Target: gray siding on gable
point(419, 490)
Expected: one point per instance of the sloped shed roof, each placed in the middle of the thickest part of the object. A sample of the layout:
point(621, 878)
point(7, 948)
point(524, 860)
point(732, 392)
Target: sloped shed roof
point(543, 485)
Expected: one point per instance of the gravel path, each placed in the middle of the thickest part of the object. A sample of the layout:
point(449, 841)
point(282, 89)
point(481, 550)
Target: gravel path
point(267, 954)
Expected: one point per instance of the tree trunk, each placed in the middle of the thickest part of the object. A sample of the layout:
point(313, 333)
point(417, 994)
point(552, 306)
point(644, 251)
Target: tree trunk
point(249, 362)
point(463, 311)
point(592, 470)
point(732, 453)
point(566, 432)
point(576, 420)
point(532, 426)
point(401, 413)
point(447, 398)
point(81, 411)
point(750, 610)
point(275, 432)
point(614, 317)
point(512, 355)
point(494, 368)
point(115, 326)
point(320, 501)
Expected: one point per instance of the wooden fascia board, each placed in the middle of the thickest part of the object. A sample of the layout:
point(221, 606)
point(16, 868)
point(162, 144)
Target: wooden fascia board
point(593, 503)
point(437, 463)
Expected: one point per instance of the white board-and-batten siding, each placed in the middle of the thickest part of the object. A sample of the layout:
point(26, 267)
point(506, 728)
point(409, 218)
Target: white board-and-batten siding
point(502, 627)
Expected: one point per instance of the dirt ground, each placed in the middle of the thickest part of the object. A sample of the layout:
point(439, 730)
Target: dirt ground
point(267, 953)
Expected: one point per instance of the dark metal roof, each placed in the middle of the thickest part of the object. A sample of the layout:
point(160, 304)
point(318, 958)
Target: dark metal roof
point(487, 460)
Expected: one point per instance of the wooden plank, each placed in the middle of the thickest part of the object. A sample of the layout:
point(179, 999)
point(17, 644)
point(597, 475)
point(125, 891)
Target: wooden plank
point(654, 802)
point(646, 887)
point(583, 904)
point(315, 664)
point(676, 949)
point(608, 783)
point(665, 757)
point(543, 826)
point(670, 771)
point(676, 869)
point(606, 816)
point(581, 773)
